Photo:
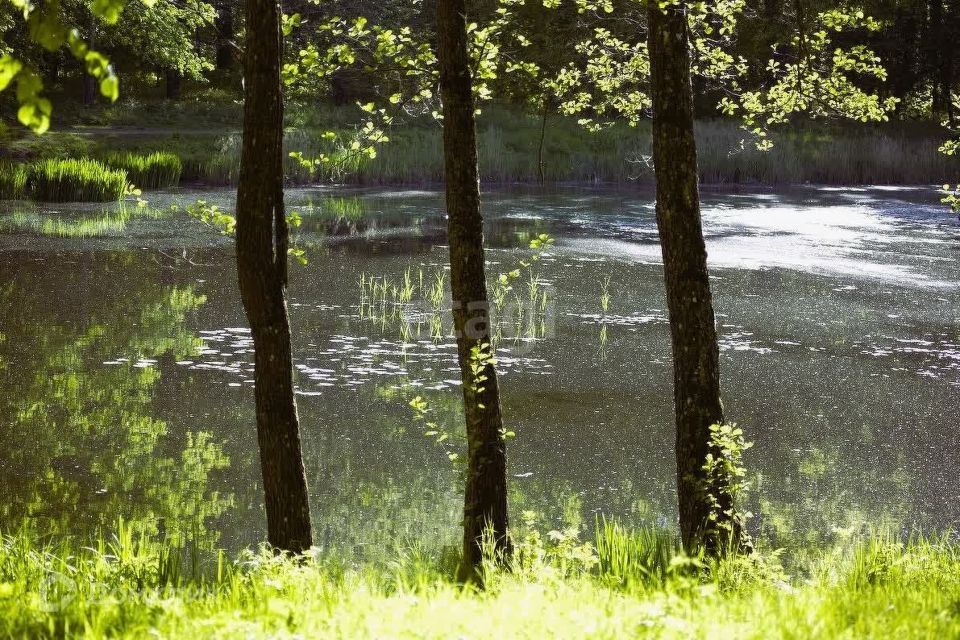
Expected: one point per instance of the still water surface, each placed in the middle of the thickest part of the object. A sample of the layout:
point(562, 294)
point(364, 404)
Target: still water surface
point(126, 365)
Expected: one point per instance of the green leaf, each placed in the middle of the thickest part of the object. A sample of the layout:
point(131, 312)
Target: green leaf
point(9, 68)
point(110, 87)
point(109, 10)
point(36, 115)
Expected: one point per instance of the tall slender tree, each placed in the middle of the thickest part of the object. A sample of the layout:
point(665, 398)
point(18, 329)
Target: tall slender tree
point(485, 494)
point(262, 241)
point(696, 371)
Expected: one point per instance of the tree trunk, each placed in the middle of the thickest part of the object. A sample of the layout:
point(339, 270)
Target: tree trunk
point(172, 81)
point(224, 27)
point(696, 373)
point(935, 43)
point(543, 135)
point(262, 238)
point(485, 496)
point(89, 82)
point(949, 53)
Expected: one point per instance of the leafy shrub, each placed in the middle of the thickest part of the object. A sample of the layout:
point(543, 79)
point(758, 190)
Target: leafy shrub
point(156, 170)
point(72, 180)
point(13, 181)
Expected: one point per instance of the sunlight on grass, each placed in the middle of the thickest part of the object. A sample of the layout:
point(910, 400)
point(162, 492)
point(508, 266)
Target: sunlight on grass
point(157, 170)
point(54, 180)
point(557, 586)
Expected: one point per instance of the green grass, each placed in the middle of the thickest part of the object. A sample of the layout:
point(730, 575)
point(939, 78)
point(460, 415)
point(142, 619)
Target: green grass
point(13, 181)
point(130, 585)
point(71, 180)
point(157, 170)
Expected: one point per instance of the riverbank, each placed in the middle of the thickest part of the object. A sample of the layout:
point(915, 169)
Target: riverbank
point(510, 151)
point(630, 584)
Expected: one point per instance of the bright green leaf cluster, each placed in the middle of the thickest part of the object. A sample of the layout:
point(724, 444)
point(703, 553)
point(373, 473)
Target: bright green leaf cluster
point(48, 31)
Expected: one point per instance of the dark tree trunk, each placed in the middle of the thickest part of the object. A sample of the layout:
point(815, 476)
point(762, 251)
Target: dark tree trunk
point(262, 238)
point(485, 498)
point(172, 79)
point(935, 46)
point(948, 74)
point(545, 105)
point(693, 332)
point(903, 52)
point(224, 27)
point(89, 82)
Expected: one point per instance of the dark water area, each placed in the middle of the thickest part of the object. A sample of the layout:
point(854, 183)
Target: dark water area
point(126, 365)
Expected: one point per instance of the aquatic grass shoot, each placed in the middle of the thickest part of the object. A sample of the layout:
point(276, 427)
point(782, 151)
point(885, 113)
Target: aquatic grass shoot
point(413, 304)
point(416, 301)
point(605, 295)
point(70, 180)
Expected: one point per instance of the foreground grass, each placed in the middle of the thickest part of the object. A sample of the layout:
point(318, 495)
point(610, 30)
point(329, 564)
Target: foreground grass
point(636, 586)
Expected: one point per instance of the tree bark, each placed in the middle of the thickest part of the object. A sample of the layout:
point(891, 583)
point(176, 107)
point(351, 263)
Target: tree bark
point(262, 239)
point(89, 82)
point(693, 332)
point(172, 80)
point(543, 135)
point(224, 27)
point(485, 495)
point(949, 53)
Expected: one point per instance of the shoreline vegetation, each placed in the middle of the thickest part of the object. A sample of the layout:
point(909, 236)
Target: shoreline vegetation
point(204, 149)
point(626, 583)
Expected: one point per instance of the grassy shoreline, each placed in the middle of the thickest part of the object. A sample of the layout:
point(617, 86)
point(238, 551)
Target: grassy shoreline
point(634, 584)
point(508, 140)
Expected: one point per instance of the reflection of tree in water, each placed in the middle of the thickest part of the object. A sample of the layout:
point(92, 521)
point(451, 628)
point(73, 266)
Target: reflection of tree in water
point(81, 448)
point(821, 500)
point(376, 485)
point(342, 216)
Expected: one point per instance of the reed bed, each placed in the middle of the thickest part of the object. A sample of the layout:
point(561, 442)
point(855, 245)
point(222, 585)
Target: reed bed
point(13, 181)
point(157, 170)
point(71, 180)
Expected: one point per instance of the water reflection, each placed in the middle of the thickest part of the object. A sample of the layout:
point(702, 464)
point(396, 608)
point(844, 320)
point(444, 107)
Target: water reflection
point(839, 338)
point(83, 443)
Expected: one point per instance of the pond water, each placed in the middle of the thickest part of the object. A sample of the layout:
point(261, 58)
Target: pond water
point(126, 365)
